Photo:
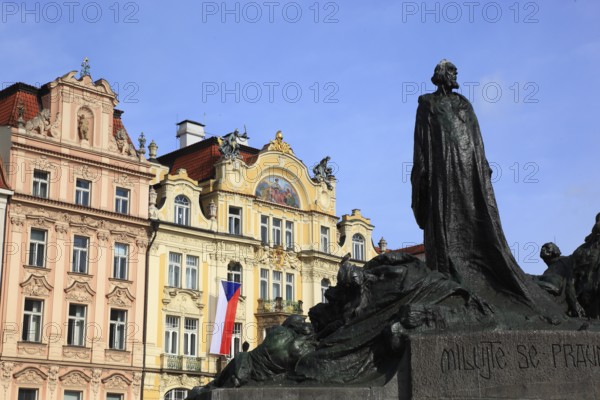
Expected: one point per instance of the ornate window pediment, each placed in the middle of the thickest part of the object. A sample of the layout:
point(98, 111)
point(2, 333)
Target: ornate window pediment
point(30, 375)
point(75, 378)
point(80, 291)
point(116, 381)
point(36, 285)
point(120, 297)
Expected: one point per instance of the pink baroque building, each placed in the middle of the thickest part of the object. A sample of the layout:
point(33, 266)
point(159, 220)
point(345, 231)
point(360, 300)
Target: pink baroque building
point(72, 285)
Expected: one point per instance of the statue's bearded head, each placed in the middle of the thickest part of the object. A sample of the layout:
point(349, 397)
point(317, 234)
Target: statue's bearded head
point(444, 75)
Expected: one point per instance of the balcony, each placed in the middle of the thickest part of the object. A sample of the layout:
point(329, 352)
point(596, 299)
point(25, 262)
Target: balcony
point(279, 306)
point(180, 363)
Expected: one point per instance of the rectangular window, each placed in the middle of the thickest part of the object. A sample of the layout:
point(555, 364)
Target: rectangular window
point(40, 183)
point(171, 332)
point(174, 278)
point(28, 394)
point(289, 287)
point(37, 248)
point(76, 327)
point(80, 255)
point(116, 337)
point(289, 235)
point(235, 220)
point(190, 337)
point(122, 201)
point(82, 192)
point(120, 261)
point(114, 396)
point(236, 339)
point(73, 395)
point(32, 320)
point(191, 273)
point(276, 232)
point(264, 229)
point(264, 284)
point(324, 239)
point(276, 284)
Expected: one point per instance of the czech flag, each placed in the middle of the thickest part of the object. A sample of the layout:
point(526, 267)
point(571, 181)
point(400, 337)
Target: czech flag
point(229, 293)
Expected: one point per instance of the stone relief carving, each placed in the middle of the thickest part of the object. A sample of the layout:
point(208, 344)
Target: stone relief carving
point(116, 356)
point(182, 300)
point(95, 381)
point(30, 375)
point(36, 285)
point(74, 378)
point(83, 126)
point(120, 297)
point(32, 349)
point(77, 353)
point(137, 383)
point(54, 129)
point(52, 378)
point(116, 381)
point(80, 291)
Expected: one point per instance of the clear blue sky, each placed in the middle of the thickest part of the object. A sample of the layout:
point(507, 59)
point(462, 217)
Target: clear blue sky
point(530, 68)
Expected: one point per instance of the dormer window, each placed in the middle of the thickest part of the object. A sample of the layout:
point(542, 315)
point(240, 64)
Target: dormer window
point(182, 210)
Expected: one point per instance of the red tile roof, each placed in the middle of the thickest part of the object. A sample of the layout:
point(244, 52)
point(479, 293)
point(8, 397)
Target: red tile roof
point(12, 96)
point(3, 180)
point(199, 159)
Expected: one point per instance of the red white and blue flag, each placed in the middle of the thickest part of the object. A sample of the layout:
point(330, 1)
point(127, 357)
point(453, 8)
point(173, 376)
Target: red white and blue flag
point(229, 293)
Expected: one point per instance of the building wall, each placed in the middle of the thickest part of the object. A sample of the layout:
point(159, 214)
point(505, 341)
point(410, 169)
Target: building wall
point(54, 361)
point(209, 238)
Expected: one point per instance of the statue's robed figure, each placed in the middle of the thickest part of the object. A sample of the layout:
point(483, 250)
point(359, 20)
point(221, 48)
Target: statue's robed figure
point(453, 199)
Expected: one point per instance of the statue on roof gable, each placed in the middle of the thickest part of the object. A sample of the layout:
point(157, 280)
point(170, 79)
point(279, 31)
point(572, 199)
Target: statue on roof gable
point(229, 144)
point(323, 172)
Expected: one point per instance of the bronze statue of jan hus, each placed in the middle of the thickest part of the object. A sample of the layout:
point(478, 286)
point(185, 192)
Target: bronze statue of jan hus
point(587, 271)
point(454, 203)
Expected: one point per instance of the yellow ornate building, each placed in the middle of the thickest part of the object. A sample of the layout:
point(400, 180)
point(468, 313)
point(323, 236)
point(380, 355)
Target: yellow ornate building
point(222, 210)
point(73, 280)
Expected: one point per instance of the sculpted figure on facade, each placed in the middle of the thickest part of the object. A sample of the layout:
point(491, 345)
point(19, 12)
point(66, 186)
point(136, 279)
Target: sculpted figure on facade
point(39, 124)
point(82, 127)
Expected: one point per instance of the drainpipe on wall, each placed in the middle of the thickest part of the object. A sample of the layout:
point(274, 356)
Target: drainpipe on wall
point(154, 223)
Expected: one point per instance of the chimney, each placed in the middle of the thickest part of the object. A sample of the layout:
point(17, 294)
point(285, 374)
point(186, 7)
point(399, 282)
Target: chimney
point(189, 132)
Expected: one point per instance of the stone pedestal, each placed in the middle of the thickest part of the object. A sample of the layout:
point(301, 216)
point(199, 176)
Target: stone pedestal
point(519, 365)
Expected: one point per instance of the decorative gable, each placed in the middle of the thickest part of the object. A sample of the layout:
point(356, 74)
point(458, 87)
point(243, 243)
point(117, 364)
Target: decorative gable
point(36, 285)
point(120, 297)
point(80, 291)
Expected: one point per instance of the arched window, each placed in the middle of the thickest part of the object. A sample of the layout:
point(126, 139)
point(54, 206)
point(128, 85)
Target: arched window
point(324, 286)
point(176, 394)
point(182, 210)
point(358, 247)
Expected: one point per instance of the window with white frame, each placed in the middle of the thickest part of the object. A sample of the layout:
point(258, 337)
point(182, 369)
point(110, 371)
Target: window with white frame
point(118, 322)
point(174, 271)
point(122, 201)
point(76, 325)
point(276, 232)
point(191, 272)
point(289, 235)
point(73, 395)
point(236, 339)
point(276, 284)
point(114, 396)
point(324, 286)
point(176, 394)
point(32, 320)
point(82, 192)
point(234, 272)
point(79, 262)
point(190, 337)
point(289, 287)
point(37, 248)
point(264, 284)
point(120, 261)
point(27, 394)
point(358, 247)
point(171, 334)
point(182, 210)
point(235, 220)
point(324, 239)
point(264, 229)
point(41, 180)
